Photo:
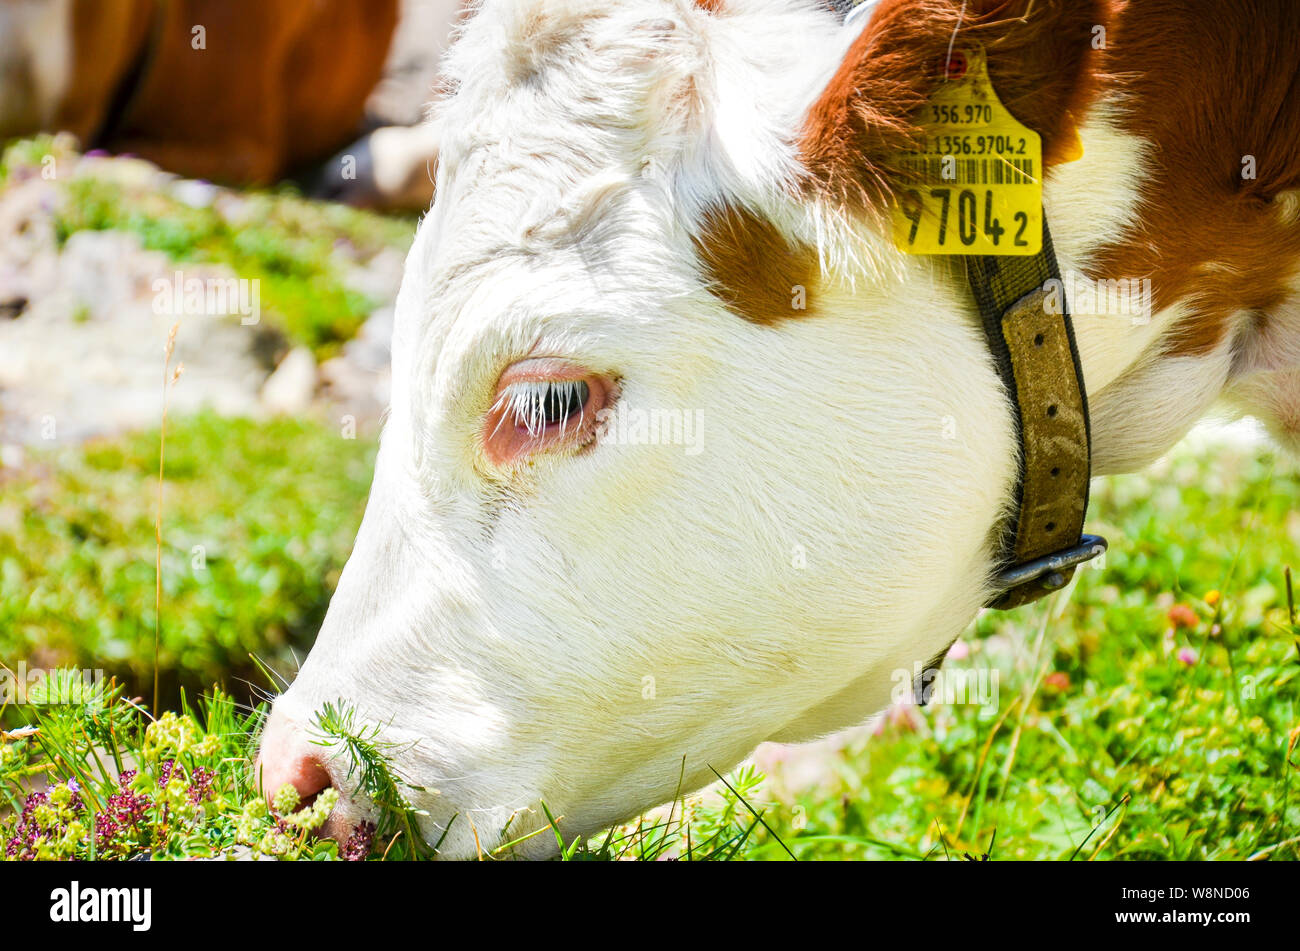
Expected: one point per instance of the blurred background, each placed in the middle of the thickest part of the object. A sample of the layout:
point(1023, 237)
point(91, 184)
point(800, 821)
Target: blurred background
point(105, 224)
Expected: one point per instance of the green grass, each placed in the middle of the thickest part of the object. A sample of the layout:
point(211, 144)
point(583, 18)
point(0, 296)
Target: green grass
point(258, 520)
point(90, 775)
point(1152, 714)
point(117, 784)
point(281, 240)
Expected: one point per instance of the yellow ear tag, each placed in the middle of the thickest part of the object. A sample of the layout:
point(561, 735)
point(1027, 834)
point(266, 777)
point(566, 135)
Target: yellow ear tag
point(975, 186)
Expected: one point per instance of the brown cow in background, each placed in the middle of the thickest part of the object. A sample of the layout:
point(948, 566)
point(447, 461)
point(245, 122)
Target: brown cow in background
point(237, 91)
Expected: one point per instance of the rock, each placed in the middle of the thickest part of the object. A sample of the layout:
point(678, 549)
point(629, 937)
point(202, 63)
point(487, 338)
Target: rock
point(371, 349)
point(29, 249)
point(84, 356)
point(83, 325)
point(235, 208)
point(290, 389)
point(128, 171)
point(363, 394)
point(195, 193)
point(378, 278)
point(106, 271)
point(359, 381)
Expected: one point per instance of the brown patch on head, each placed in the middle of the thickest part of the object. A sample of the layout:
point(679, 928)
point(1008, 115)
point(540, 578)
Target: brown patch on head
point(711, 6)
point(1039, 52)
point(1216, 93)
point(754, 268)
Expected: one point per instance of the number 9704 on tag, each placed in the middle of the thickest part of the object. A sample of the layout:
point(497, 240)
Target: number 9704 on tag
point(942, 219)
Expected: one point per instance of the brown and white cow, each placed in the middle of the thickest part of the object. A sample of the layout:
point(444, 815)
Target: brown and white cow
point(544, 606)
point(238, 92)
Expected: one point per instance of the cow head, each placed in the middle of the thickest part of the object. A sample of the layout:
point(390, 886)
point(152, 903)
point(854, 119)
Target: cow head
point(682, 456)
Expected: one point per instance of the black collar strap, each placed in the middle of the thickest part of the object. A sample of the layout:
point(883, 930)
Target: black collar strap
point(1032, 342)
point(1027, 323)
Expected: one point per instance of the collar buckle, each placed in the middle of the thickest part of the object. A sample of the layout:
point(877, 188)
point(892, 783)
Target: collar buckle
point(1030, 580)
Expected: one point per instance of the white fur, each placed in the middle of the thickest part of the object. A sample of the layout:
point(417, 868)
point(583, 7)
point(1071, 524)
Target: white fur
point(598, 629)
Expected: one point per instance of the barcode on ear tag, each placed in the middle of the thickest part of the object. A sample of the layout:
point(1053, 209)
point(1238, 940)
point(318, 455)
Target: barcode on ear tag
point(975, 184)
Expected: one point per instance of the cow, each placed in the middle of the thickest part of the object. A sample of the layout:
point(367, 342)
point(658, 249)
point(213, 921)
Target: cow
point(391, 168)
point(684, 207)
point(238, 92)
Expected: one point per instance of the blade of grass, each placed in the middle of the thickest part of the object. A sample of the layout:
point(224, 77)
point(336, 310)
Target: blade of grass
point(754, 812)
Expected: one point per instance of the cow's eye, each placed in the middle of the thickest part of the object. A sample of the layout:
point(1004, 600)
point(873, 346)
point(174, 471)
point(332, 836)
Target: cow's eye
point(535, 406)
point(542, 405)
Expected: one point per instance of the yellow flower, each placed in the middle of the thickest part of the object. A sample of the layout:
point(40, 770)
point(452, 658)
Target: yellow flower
point(285, 800)
point(314, 816)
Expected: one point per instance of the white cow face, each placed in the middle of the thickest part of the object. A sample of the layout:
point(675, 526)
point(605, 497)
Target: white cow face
point(619, 534)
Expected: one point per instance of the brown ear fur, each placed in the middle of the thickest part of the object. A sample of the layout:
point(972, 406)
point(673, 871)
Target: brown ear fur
point(1040, 60)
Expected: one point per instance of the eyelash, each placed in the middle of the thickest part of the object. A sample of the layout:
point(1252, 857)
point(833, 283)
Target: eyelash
point(536, 405)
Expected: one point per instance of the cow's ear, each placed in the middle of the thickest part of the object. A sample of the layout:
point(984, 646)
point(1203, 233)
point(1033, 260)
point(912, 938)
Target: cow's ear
point(1042, 56)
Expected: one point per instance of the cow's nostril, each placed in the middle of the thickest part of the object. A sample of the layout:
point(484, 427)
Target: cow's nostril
point(303, 771)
